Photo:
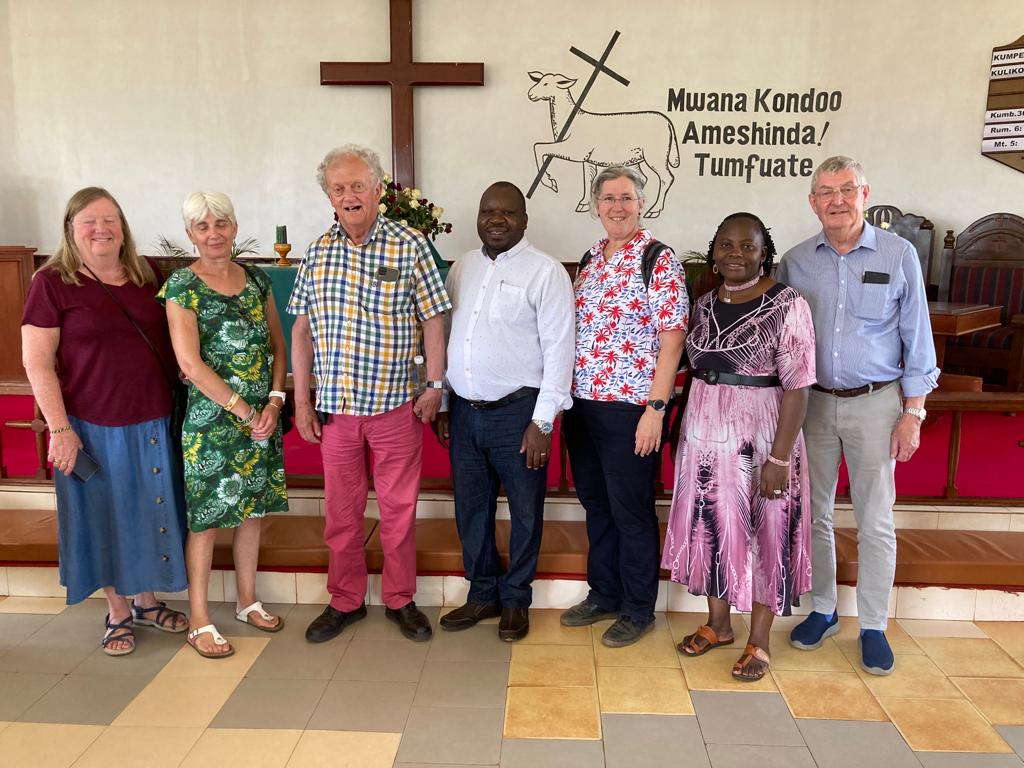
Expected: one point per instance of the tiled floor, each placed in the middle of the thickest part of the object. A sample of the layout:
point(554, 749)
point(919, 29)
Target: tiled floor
point(371, 698)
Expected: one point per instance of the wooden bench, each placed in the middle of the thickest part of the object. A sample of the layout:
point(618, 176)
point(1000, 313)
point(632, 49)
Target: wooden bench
point(972, 559)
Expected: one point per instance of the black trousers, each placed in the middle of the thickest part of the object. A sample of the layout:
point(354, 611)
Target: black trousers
point(616, 488)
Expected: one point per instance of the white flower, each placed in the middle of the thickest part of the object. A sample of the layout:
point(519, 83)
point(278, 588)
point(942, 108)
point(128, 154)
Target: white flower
point(387, 179)
point(886, 225)
point(417, 194)
point(404, 223)
point(437, 212)
point(414, 204)
point(382, 208)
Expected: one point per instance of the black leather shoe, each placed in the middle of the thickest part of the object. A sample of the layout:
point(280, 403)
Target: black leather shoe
point(411, 621)
point(625, 632)
point(468, 615)
point(329, 624)
point(514, 624)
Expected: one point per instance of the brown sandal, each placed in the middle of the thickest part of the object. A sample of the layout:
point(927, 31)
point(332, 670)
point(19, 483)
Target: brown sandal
point(702, 641)
point(750, 654)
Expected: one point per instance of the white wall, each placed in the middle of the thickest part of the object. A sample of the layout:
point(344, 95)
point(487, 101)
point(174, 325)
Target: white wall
point(153, 100)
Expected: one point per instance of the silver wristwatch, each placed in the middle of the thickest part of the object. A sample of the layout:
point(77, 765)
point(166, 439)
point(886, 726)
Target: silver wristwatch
point(917, 413)
point(545, 427)
point(436, 384)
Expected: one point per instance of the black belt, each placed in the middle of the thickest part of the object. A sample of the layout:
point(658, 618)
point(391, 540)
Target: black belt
point(867, 389)
point(519, 394)
point(721, 377)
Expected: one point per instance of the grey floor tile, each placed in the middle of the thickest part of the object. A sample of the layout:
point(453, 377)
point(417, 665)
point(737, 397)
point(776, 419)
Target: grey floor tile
point(386, 660)
point(1014, 735)
point(480, 643)
point(551, 753)
point(85, 700)
point(20, 690)
point(462, 684)
point(847, 744)
point(153, 649)
point(967, 760)
point(444, 765)
point(631, 741)
point(268, 703)
point(224, 618)
point(451, 735)
point(355, 705)
point(376, 626)
point(731, 717)
point(289, 655)
point(15, 627)
point(52, 649)
point(745, 755)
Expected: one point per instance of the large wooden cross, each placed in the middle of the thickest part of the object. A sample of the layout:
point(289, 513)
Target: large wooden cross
point(402, 74)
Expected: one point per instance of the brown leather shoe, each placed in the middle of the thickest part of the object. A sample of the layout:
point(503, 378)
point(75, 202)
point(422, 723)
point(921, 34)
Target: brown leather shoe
point(469, 614)
point(514, 624)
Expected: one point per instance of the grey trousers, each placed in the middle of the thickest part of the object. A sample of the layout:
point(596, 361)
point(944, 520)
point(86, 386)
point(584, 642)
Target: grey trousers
point(859, 428)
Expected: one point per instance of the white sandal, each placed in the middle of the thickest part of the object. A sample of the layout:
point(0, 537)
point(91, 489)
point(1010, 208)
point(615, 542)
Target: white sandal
point(243, 616)
point(218, 639)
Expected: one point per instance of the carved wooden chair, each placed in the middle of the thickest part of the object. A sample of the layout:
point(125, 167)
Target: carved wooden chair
point(917, 229)
point(987, 262)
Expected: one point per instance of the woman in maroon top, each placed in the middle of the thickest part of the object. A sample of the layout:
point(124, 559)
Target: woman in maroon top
point(106, 393)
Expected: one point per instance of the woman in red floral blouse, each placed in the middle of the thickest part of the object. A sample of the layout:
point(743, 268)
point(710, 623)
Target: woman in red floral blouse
point(629, 338)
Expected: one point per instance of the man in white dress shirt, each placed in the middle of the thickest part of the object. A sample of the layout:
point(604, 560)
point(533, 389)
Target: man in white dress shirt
point(510, 359)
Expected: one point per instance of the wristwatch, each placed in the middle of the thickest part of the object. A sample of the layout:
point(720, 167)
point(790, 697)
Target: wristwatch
point(435, 384)
point(918, 413)
point(658, 405)
point(545, 427)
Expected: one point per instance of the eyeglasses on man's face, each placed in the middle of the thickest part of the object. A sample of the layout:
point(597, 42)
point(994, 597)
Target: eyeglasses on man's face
point(848, 192)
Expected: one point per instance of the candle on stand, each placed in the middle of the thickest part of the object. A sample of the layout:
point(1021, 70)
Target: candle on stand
point(282, 233)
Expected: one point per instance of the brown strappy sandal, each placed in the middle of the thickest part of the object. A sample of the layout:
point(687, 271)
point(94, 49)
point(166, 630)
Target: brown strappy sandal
point(750, 654)
point(702, 641)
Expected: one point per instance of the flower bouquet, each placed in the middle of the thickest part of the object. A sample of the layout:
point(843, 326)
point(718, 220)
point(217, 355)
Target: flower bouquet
point(408, 207)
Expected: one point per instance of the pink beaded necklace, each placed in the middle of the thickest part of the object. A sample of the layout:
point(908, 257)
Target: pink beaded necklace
point(729, 289)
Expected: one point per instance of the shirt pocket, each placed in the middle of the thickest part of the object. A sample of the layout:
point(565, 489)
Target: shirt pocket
point(872, 301)
point(386, 292)
point(507, 302)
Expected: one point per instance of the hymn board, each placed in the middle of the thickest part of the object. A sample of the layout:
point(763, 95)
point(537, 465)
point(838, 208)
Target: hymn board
point(1003, 139)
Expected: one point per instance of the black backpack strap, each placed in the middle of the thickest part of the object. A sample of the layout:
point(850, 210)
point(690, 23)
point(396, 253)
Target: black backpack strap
point(587, 255)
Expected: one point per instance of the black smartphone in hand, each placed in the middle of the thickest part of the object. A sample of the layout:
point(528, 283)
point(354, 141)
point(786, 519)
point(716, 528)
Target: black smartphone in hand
point(85, 466)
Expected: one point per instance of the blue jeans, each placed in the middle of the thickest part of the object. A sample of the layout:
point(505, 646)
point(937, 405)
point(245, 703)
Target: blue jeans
point(484, 448)
point(616, 488)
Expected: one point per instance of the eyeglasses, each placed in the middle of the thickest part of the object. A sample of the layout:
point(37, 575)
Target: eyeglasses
point(621, 200)
point(848, 191)
point(356, 188)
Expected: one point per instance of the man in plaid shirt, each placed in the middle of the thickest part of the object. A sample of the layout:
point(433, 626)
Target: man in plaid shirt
point(363, 292)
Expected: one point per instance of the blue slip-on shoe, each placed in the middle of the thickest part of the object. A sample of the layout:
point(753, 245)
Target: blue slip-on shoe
point(875, 654)
point(812, 631)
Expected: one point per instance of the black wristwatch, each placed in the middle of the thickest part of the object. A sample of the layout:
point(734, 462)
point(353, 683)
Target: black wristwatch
point(657, 405)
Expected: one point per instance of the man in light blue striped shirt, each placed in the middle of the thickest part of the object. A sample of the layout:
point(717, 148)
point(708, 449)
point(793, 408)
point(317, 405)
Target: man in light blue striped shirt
point(875, 366)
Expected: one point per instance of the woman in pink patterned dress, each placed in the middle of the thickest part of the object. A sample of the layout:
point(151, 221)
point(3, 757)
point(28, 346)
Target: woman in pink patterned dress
point(739, 530)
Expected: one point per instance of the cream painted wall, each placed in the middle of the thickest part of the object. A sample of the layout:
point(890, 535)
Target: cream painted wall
point(156, 99)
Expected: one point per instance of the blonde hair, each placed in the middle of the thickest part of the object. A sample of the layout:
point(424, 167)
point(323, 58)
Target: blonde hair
point(66, 260)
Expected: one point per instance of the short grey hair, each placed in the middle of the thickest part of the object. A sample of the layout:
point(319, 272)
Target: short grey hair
point(367, 155)
point(838, 164)
point(199, 205)
point(613, 172)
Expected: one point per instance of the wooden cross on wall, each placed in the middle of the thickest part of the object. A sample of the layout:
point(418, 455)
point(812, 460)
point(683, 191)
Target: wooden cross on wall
point(402, 74)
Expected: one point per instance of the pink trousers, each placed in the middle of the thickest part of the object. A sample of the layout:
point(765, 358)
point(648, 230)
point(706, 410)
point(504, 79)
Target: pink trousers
point(396, 443)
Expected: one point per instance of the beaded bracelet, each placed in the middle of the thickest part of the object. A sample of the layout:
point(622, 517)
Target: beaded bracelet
point(777, 462)
point(59, 430)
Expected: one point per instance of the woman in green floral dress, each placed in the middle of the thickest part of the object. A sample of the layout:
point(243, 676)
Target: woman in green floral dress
point(228, 340)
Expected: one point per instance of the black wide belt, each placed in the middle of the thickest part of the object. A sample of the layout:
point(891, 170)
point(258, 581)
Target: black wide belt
point(519, 394)
point(732, 379)
point(867, 389)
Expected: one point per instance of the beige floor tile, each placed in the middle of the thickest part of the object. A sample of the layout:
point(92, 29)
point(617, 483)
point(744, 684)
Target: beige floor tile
point(552, 713)
point(181, 702)
point(713, 672)
point(188, 663)
point(643, 690)
point(939, 628)
point(151, 746)
point(1008, 634)
point(848, 639)
point(827, 658)
point(828, 696)
point(683, 624)
point(655, 649)
point(552, 665)
point(970, 657)
point(35, 582)
point(943, 725)
point(345, 749)
point(914, 676)
point(251, 748)
point(1001, 701)
point(44, 745)
point(545, 629)
point(44, 605)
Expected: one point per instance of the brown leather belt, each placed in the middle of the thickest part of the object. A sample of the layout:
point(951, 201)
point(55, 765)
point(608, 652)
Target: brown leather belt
point(867, 389)
point(519, 394)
